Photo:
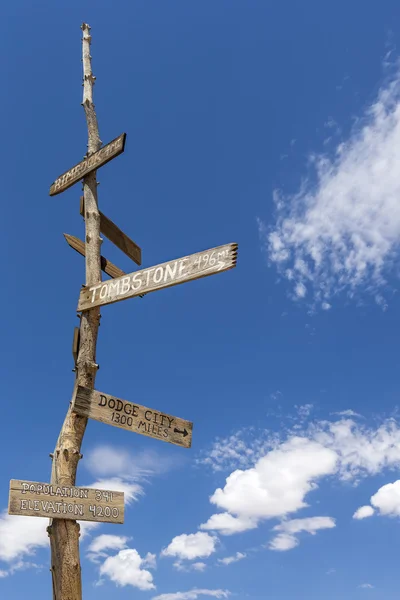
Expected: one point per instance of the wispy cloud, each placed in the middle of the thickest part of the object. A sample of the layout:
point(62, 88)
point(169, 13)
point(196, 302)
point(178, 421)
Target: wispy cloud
point(287, 537)
point(196, 566)
point(340, 231)
point(228, 560)
point(193, 594)
point(110, 461)
point(347, 413)
point(234, 451)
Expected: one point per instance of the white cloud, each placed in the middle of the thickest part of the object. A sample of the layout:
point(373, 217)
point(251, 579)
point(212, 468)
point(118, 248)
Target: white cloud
point(347, 413)
point(291, 467)
point(366, 586)
point(20, 536)
point(361, 450)
point(199, 566)
point(227, 524)
point(387, 499)
point(340, 232)
point(278, 483)
point(20, 565)
point(99, 544)
point(283, 542)
point(110, 461)
point(228, 560)
point(107, 542)
point(193, 595)
point(196, 566)
point(194, 545)
point(287, 538)
point(363, 512)
point(127, 568)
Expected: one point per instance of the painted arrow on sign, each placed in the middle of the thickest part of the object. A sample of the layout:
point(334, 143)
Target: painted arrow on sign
point(188, 268)
point(184, 432)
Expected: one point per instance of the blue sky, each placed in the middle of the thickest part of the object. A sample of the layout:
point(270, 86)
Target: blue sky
point(273, 125)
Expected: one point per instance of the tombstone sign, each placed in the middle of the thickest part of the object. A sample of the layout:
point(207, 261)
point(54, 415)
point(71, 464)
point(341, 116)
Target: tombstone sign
point(33, 499)
point(93, 162)
point(133, 417)
point(161, 276)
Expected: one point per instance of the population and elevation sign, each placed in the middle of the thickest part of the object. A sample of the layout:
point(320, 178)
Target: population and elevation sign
point(33, 499)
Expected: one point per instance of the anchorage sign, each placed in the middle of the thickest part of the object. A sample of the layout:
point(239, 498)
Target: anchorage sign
point(161, 276)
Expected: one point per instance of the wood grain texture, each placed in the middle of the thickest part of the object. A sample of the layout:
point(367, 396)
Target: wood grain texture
point(132, 417)
point(174, 272)
point(75, 343)
point(89, 164)
point(106, 266)
point(116, 236)
point(34, 499)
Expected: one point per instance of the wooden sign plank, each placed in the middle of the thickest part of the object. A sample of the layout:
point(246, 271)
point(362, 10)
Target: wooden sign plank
point(106, 266)
point(116, 236)
point(98, 159)
point(161, 276)
point(33, 499)
point(132, 417)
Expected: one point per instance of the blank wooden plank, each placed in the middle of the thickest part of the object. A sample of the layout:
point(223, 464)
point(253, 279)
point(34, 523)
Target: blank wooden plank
point(33, 499)
point(188, 268)
point(116, 236)
point(98, 159)
point(132, 417)
point(106, 266)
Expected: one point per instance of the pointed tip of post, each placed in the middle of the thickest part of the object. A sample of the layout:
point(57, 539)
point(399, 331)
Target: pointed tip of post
point(85, 26)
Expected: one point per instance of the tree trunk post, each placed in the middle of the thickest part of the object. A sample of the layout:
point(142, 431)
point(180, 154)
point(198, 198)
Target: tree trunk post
point(64, 535)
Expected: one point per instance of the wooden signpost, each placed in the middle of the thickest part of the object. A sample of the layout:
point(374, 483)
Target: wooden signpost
point(133, 417)
point(33, 499)
point(93, 162)
point(161, 276)
point(60, 500)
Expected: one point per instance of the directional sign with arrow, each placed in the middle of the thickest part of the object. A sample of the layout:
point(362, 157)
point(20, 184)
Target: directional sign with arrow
point(161, 276)
point(133, 417)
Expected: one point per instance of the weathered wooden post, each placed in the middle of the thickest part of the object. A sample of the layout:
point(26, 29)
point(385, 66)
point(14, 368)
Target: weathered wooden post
point(64, 535)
